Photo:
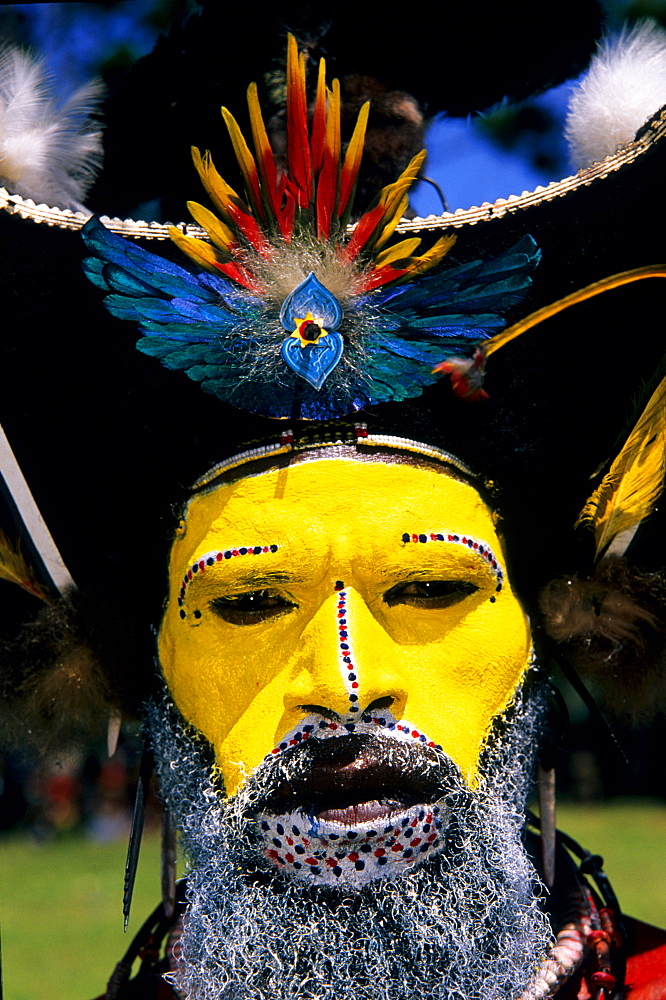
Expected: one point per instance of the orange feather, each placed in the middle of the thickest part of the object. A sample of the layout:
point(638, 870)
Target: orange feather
point(352, 162)
point(318, 134)
point(246, 163)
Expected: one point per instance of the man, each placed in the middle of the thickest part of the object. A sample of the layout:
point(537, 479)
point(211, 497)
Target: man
point(349, 734)
point(365, 676)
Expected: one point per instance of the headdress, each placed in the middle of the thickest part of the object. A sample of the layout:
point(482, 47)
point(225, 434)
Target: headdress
point(291, 314)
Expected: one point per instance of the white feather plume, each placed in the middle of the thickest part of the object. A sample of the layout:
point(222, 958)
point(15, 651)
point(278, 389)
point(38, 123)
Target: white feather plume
point(624, 85)
point(50, 150)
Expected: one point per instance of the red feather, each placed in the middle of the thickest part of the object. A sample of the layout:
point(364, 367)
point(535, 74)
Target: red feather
point(365, 228)
point(270, 186)
point(248, 226)
point(319, 120)
point(238, 274)
point(286, 218)
point(327, 185)
point(298, 146)
point(381, 276)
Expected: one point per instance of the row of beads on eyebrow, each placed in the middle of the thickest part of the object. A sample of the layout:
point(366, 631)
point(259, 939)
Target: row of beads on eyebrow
point(480, 548)
point(204, 562)
point(209, 559)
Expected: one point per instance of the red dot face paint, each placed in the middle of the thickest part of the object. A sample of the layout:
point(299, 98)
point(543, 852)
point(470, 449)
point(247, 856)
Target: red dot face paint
point(213, 559)
point(346, 655)
point(365, 852)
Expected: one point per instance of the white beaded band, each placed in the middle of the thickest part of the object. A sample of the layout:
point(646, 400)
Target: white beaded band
point(418, 447)
point(358, 436)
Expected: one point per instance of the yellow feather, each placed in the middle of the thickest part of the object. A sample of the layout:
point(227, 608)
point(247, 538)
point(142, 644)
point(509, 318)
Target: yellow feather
point(322, 89)
point(15, 569)
point(259, 134)
point(244, 157)
point(605, 285)
point(630, 489)
point(390, 226)
point(394, 196)
point(355, 147)
point(197, 250)
point(399, 251)
point(220, 234)
point(333, 121)
point(431, 257)
point(217, 189)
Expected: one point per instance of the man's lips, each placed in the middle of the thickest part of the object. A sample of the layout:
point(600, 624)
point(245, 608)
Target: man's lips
point(356, 779)
point(361, 812)
point(350, 809)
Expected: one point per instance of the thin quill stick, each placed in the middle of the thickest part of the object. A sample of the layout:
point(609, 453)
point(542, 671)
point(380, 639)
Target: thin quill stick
point(168, 863)
point(32, 519)
point(546, 791)
point(136, 832)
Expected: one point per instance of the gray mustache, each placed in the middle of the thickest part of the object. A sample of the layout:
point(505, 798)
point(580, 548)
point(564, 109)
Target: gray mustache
point(343, 769)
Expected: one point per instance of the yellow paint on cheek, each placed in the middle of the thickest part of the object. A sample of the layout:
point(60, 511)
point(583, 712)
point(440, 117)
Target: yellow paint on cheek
point(333, 565)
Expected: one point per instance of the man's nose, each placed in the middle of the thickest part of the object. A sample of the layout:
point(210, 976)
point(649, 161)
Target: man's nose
point(347, 664)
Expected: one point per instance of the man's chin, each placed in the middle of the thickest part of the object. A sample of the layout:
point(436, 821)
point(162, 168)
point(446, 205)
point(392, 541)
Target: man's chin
point(464, 922)
point(354, 845)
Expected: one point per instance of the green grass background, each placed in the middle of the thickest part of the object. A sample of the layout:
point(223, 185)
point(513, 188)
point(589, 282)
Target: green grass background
point(61, 901)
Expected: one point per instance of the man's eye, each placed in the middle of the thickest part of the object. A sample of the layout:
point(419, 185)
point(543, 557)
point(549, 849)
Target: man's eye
point(251, 608)
point(430, 593)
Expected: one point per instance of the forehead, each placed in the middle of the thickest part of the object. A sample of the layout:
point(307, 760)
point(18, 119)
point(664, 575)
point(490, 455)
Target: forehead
point(338, 498)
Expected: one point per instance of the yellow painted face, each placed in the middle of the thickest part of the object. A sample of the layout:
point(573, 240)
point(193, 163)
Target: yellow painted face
point(341, 593)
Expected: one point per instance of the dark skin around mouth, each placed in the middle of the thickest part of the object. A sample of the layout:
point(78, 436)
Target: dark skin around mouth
point(353, 779)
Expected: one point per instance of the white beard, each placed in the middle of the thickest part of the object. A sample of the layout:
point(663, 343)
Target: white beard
point(464, 925)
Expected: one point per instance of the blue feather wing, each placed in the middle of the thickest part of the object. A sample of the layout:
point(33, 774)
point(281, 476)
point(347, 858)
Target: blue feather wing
point(420, 323)
point(199, 324)
point(398, 369)
point(460, 303)
point(161, 297)
point(207, 327)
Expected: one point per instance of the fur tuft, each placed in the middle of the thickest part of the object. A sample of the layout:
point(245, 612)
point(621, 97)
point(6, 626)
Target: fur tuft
point(65, 672)
point(612, 628)
point(624, 86)
point(50, 150)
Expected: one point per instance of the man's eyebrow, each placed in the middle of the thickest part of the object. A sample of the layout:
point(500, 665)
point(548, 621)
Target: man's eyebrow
point(474, 545)
point(219, 557)
point(259, 581)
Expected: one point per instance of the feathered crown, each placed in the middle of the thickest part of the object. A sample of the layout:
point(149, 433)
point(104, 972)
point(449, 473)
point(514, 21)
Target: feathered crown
point(292, 314)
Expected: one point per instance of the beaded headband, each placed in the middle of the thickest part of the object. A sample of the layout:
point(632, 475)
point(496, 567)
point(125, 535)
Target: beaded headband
point(358, 436)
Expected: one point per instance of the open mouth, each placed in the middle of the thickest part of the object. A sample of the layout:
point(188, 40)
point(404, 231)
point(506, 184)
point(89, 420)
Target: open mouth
point(358, 813)
point(355, 809)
